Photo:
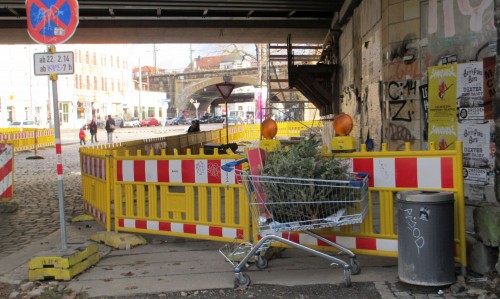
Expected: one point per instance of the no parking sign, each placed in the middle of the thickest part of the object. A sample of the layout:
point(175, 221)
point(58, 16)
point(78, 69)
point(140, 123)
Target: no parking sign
point(51, 22)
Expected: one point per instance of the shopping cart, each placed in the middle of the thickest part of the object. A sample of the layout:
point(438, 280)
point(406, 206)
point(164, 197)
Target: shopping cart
point(281, 204)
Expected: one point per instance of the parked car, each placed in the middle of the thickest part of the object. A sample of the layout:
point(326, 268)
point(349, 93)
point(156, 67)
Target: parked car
point(150, 122)
point(134, 122)
point(118, 121)
point(24, 124)
point(205, 119)
point(169, 121)
point(180, 121)
point(232, 121)
point(216, 119)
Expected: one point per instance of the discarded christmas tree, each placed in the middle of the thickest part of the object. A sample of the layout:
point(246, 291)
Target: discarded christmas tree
point(315, 197)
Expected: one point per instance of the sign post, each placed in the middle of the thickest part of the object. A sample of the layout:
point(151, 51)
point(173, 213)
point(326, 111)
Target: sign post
point(52, 22)
point(225, 90)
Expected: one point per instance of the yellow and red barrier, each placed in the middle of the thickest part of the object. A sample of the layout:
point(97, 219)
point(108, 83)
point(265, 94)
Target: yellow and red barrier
point(160, 191)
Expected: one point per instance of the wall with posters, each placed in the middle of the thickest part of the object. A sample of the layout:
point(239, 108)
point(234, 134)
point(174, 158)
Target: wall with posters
point(459, 39)
point(458, 111)
point(420, 71)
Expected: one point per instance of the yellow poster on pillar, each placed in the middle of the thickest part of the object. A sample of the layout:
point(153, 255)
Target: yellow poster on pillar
point(444, 133)
point(442, 92)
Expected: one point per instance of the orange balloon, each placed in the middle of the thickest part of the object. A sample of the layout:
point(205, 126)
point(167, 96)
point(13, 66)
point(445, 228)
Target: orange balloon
point(269, 128)
point(343, 124)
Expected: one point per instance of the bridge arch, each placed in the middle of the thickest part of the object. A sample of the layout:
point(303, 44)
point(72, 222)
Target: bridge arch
point(188, 89)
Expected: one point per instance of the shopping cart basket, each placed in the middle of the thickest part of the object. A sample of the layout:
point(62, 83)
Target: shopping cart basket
point(281, 204)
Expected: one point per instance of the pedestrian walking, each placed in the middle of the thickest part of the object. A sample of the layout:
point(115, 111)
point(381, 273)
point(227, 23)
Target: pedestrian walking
point(82, 135)
point(110, 127)
point(93, 130)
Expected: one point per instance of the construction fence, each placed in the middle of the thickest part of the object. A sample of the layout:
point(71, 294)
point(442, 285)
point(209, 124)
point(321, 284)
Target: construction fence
point(170, 186)
point(27, 139)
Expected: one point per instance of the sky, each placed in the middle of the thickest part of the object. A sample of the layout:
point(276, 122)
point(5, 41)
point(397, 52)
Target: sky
point(176, 57)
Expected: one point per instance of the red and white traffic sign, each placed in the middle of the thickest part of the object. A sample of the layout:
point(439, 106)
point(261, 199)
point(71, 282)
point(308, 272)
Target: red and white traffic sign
point(51, 22)
point(225, 89)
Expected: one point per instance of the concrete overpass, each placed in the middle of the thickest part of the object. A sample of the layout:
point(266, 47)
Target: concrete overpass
point(187, 21)
point(204, 21)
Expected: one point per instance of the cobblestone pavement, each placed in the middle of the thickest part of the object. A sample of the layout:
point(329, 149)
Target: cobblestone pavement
point(36, 197)
point(33, 212)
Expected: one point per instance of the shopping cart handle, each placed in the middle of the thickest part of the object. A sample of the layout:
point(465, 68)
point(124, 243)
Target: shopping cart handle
point(360, 177)
point(229, 167)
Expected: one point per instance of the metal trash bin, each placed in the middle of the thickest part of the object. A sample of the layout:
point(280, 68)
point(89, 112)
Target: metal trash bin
point(426, 238)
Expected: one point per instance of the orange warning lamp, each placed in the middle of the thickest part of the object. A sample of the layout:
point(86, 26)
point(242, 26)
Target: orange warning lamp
point(269, 129)
point(343, 126)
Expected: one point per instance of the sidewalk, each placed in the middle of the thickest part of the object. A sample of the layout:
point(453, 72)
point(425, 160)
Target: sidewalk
point(168, 264)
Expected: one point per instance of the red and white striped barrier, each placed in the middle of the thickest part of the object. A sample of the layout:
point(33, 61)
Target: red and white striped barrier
point(360, 243)
point(431, 172)
point(200, 171)
point(182, 228)
point(95, 212)
point(6, 170)
point(94, 166)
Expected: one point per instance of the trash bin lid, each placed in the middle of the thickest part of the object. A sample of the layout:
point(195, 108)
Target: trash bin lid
point(424, 196)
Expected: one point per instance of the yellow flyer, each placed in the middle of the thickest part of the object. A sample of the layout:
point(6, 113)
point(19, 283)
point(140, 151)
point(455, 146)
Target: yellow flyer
point(443, 92)
point(444, 133)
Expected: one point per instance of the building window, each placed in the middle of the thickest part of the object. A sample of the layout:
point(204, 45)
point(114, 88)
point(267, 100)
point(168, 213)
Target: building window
point(94, 59)
point(95, 83)
point(26, 113)
point(80, 110)
point(112, 84)
point(10, 113)
point(38, 112)
point(111, 60)
point(118, 62)
point(88, 87)
point(87, 57)
point(64, 112)
point(151, 111)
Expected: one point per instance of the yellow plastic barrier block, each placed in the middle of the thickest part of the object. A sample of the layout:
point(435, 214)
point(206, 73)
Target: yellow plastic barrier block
point(82, 217)
point(63, 274)
point(270, 145)
point(59, 259)
point(118, 240)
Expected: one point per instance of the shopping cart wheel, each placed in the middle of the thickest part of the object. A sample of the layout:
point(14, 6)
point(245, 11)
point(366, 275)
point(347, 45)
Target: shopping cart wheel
point(347, 277)
point(355, 266)
point(261, 263)
point(243, 280)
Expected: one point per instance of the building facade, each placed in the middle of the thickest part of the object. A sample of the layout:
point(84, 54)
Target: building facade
point(101, 85)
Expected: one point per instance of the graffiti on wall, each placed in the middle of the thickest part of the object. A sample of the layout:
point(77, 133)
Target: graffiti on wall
point(406, 51)
point(458, 27)
point(481, 16)
point(399, 135)
point(404, 113)
point(401, 96)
